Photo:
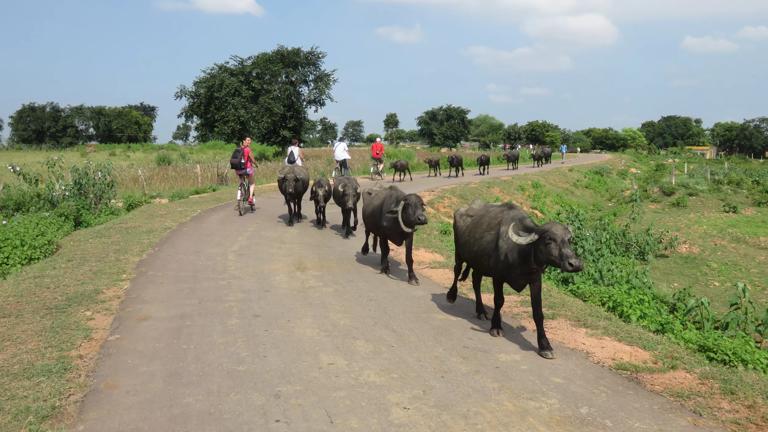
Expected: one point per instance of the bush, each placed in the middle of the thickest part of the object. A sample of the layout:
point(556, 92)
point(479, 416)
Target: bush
point(668, 189)
point(680, 201)
point(133, 201)
point(163, 159)
point(729, 207)
point(29, 238)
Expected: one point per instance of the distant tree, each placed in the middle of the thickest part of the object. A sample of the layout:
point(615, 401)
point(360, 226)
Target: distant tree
point(635, 139)
point(147, 110)
point(487, 130)
point(43, 124)
point(266, 96)
point(391, 122)
point(758, 136)
point(327, 130)
point(396, 136)
point(353, 131)
point(747, 138)
point(576, 140)
point(606, 139)
point(183, 133)
point(445, 125)
point(2, 125)
point(120, 125)
point(513, 134)
point(674, 131)
point(371, 137)
point(411, 135)
point(541, 132)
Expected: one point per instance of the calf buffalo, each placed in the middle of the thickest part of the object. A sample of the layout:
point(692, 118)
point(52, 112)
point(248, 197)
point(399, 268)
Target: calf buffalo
point(484, 164)
point(546, 153)
point(434, 165)
point(537, 157)
point(501, 241)
point(455, 162)
point(293, 182)
point(346, 194)
point(400, 167)
point(512, 157)
point(320, 194)
point(392, 216)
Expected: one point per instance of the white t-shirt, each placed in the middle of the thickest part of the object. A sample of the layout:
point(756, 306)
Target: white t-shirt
point(341, 151)
point(296, 153)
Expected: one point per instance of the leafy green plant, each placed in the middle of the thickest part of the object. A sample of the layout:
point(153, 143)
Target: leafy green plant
point(133, 201)
point(742, 314)
point(163, 159)
point(680, 201)
point(28, 238)
point(667, 189)
point(730, 207)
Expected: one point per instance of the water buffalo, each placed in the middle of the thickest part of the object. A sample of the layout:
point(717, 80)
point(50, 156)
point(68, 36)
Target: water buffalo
point(501, 241)
point(547, 154)
point(400, 167)
point(484, 164)
point(512, 157)
point(320, 194)
point(293, 182)
point(434, 165)
point(537, 157)
point(346, 194)
point(455, 162)
point(392, 216)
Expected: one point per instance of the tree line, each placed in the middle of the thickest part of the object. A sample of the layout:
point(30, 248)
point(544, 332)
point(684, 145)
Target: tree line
point(270, 96)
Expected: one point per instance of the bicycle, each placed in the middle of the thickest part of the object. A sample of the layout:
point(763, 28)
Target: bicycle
point(243, 192)
point(337, 171)
point(377, 170)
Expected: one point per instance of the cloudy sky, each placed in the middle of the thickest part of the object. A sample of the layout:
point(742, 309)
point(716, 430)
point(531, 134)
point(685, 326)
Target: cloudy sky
point(578, 63)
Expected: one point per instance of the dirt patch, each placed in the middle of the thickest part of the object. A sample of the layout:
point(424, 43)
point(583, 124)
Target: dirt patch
point(673, 380)
point(686, 248)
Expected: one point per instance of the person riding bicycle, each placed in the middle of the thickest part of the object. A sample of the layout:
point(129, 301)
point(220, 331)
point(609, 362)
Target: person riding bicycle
point(341, 156)
point(377, 153)
point(295, 154)
point(250, 163)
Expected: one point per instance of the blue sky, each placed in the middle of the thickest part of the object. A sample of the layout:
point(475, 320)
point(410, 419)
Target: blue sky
point(578, 63)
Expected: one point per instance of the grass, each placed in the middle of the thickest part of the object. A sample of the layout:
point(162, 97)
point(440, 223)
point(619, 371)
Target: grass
point(720, 249)
point(48, 311)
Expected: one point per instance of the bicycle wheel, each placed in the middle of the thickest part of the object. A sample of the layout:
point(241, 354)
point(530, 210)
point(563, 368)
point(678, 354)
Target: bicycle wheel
point(243, 201)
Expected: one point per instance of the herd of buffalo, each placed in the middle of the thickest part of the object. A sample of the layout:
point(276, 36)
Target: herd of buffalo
point(498, 241)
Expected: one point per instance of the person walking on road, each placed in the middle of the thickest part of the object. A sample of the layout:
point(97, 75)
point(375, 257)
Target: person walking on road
point(563, 151)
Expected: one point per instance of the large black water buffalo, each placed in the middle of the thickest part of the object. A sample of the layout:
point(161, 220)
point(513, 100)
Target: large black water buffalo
point(537, 157)
point(501, 241)
point(484, 164)
point(321, 195)
point(400, 167)
point(392, 216)
point(512, 157)
point(434, 165)
point(547, 154)
point(293, 182)
point(346, 194)
point(455, 162)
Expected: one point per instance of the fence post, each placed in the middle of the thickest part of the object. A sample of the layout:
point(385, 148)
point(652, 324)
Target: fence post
point(673, 174)
point(686, 168)
point(143, 182)
point(199, 176)
point(708, 174)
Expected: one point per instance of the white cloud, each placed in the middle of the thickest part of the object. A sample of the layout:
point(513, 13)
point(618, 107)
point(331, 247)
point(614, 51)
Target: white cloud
point(511, 8)
point(753, 33)
point(501, 98)
point(519, 59)
point(237, 7)
point(584, 29)
point(708, 45)
point(401, 35)
point(535, 91)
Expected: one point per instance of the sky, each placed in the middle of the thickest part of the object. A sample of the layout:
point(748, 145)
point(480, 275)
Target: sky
point(577, 63)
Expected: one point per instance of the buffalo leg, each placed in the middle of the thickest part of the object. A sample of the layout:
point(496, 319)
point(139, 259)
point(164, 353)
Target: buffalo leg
point(354, 209)
point(290, 212)
point(545, 349)
point(462, 171)
point(440, 173)
point(364, 250)
point(409, 174)
point(393, 175)
point(412, 279)
point(477, 279)
point(498, 303)
point(375, 242)
point(325, 221)
point(384, 255)
point(454, 290)
point(298, 210)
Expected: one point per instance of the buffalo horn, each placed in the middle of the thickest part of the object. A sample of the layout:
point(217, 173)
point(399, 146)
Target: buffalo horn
point(400, 218)
point(521, 240)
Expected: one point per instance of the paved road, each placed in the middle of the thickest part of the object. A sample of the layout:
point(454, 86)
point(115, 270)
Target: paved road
point(244, 324)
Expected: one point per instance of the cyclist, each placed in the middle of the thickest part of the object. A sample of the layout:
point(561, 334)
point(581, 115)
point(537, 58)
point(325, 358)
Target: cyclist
point(341, 156)
point(295, 154)
point(377, 153)
point(250, 163)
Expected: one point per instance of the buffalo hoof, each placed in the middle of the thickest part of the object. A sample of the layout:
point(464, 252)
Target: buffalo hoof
point(496, 332)
point(482, 315)
point(413, 281)
point(451, 295)
point(354, 227)
point(364, 250)
point(290, 223)
point(318, 222)
point(547, 354)
point(384, 270)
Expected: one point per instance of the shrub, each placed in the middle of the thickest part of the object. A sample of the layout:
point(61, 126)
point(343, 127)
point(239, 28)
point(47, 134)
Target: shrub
point(133, 201)
point(668, 189)
point(730, 207)
point(28, 238)
point(163, 159)
point(681, 201)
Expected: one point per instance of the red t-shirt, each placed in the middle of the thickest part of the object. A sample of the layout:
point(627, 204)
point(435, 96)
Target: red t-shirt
point(247, 155)
point(377, 150)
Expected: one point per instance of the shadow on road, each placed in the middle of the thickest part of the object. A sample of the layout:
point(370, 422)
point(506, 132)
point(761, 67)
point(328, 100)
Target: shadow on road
point(373, 260)
point(465, 308)
point(340, 231)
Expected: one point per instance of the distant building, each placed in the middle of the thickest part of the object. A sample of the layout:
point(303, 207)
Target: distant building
point(709, 152)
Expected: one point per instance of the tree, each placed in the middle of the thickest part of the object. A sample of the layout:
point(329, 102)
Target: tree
point(674, 131)
point(327, 130)
point(606, 139)
point(541, 132)
point(445, 125)
point(183, 133)
point(513, 134)
point(635, 139)
point(487, 130)
point(266, 96)
point(749, 137)
point(391, 123)
point(43, 124)
point(371, 137)
point(120, 125)
point(411, 135)
point(353, 131)
point(757, 136)
point(576, 140)
point(147, 110)
point(2, 125)
point(395, 136)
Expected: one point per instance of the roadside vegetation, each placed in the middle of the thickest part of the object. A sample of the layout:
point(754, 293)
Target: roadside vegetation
point(685, 261)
